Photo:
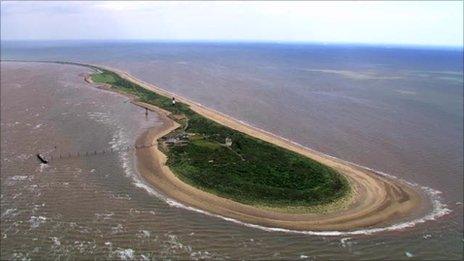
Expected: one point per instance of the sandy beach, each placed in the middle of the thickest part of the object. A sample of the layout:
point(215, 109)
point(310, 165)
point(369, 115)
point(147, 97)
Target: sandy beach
point(375, 200)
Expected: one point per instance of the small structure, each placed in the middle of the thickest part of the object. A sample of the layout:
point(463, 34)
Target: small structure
point(178, 117)
point(42, 159)
point(173, 101)
point(180, 139)
point(228, 142)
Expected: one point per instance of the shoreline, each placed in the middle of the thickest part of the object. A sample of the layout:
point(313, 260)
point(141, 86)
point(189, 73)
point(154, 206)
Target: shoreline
point(375, 200)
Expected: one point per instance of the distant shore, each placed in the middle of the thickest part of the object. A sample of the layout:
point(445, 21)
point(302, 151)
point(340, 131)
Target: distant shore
point(375, 200)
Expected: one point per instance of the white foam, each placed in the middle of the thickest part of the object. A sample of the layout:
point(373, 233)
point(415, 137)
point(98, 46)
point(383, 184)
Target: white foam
point(200, 255)
point(18, 178)
point(344, 241)
point(144, 234)
point(16, 195)
point(37, 221)
point(147, 188)
point(121, 197)
point(408, 254)
point(117, 229)
point(427, 236)
point(42, 167)
point(20, 256)
point(438, 210)
point(176, 244)
point(9, 212)
point(104, 216)
point(23, 157)
point(125, 254)
point(56, 241)
point(35, 208)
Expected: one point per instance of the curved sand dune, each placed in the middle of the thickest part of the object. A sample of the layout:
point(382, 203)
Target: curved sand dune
point(375, 200)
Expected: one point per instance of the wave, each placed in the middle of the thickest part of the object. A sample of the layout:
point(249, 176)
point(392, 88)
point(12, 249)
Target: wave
point(439, 209)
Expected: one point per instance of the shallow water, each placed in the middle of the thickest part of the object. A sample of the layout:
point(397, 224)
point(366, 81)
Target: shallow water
point(404, 119)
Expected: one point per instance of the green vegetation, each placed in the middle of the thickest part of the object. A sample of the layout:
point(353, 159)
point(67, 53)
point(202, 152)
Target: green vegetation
point(250, 170)
point(104, 77)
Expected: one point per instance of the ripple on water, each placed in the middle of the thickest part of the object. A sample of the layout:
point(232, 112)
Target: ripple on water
point(36, 221)
point(11, 212)
point(125, 254)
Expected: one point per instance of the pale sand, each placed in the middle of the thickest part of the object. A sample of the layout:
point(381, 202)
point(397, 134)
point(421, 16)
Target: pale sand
point(375, 200)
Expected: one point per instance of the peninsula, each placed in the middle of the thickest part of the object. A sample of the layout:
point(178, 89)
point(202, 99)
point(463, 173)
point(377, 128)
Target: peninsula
point(215, 163)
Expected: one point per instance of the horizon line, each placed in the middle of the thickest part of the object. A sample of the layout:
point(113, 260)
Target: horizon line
point(241, 41)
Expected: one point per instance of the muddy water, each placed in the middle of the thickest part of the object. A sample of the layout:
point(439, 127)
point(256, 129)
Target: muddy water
point(86, 207)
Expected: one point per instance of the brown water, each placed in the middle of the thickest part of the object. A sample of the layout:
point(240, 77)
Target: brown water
point(86, 207)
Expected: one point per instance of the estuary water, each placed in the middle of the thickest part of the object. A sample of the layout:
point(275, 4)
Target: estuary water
point(396, 110)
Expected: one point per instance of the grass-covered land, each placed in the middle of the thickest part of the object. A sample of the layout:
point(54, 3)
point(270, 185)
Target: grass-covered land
point(250, 170)
point(104, 77)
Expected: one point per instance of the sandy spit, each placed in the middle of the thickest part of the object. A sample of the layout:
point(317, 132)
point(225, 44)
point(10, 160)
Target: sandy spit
point(375, 201)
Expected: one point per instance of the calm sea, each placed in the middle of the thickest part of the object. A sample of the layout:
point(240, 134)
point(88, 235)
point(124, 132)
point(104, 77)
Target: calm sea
point(398, 110)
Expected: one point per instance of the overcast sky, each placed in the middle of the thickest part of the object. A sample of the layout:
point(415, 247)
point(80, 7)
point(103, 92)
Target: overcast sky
point(422, 23)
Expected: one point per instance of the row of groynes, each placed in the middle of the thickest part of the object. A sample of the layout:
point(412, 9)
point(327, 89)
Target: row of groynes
point(56, 156)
